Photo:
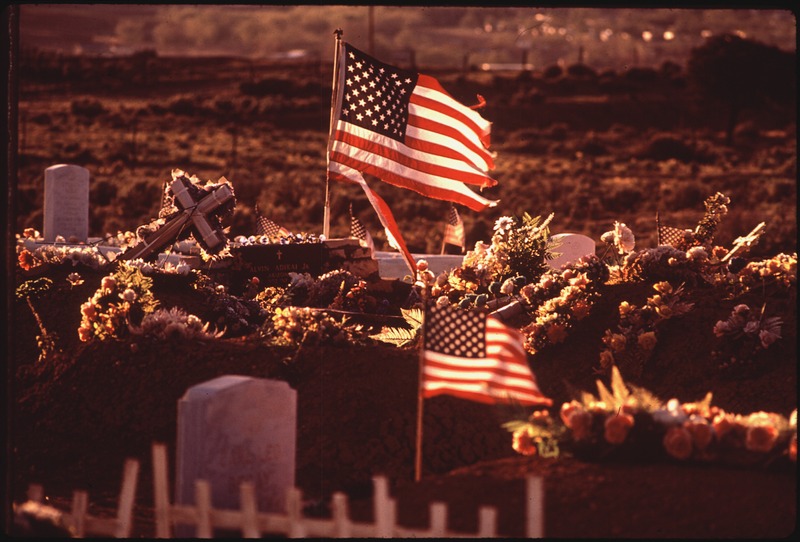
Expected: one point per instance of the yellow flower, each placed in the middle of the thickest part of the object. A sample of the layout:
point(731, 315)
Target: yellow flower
point(625, 308)
point(663, 287)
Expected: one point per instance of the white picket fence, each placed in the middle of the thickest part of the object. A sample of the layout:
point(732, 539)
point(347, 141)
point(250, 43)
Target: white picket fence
point(82, 524)
point(254, 524)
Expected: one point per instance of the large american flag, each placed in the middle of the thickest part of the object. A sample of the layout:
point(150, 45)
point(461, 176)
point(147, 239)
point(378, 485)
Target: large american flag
point(405, 129)
point(475, 356)
point(454, 230)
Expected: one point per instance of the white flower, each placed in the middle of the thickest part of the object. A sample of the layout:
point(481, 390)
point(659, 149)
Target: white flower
point(624, 238)
point(442, 301)
point(697, 254)
point(508, 287)
point(503, 224)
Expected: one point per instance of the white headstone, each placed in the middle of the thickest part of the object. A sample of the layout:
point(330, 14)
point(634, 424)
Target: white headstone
point(571, 247)
point(234, 429)
point(66, 203)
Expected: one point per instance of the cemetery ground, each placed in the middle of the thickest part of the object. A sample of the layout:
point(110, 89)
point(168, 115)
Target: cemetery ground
point(589, 158)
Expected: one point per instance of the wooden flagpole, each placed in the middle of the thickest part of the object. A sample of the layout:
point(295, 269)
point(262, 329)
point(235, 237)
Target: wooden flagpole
point(420, 398)
point(326, 225)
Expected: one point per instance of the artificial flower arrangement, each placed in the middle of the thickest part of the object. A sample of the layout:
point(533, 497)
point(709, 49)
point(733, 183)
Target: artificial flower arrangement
point(636, 335)
point(629, 423)
point(123, 299)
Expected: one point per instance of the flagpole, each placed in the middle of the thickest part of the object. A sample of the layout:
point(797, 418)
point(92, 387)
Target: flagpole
point(326, 225)
point(420, 398)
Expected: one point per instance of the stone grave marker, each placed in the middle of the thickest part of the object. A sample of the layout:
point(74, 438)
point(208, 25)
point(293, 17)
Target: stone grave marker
point(66, 203)
point(233, 429)
point(571, 247)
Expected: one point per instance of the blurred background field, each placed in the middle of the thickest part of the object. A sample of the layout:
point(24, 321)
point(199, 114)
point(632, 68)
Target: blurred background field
point(598, 114)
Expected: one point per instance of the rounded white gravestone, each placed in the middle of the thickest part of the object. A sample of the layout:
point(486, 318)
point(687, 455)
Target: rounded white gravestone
point(235, 429)
point(570, 247)
point(66, 203)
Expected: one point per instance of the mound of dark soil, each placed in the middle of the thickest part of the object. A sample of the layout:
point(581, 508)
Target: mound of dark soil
point(77, 417)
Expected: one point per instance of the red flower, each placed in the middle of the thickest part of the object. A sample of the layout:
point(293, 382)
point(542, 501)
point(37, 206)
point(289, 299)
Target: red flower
point(524, 442)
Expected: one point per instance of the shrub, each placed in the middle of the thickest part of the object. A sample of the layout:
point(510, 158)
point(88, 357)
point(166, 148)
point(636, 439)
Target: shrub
point(667, 146)
point(87, 108)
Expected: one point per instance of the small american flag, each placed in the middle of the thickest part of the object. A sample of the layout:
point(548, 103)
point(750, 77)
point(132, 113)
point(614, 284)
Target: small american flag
point(358, 230)
point(405, 129)
point(265, 226)
point(454, 230)
point(675, 237)
point(475, 356)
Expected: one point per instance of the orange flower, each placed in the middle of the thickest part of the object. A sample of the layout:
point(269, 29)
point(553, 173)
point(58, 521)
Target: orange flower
point(761, 437)
point(678, 442)
point(617, 427)
point(84, 334)
point(701, 431)
point(26, 259)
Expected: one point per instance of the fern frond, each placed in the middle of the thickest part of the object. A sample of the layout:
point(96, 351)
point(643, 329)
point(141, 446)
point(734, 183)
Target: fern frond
point(413, 317)
point(398, 336)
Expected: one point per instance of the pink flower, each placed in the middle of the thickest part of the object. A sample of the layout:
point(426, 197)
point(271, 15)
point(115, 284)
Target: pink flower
point(678, 442)
point(617, 428)
point(523, 442)
point(701, 431)
point(761, 437)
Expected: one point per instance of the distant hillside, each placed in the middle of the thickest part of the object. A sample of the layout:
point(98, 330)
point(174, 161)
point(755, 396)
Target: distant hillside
point(430, 37)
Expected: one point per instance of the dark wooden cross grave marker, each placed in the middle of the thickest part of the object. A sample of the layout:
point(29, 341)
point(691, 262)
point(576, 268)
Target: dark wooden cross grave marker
point(193, 214)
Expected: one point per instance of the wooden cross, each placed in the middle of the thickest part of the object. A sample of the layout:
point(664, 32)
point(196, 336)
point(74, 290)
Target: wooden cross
point(745, 242)
point(192, 213)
